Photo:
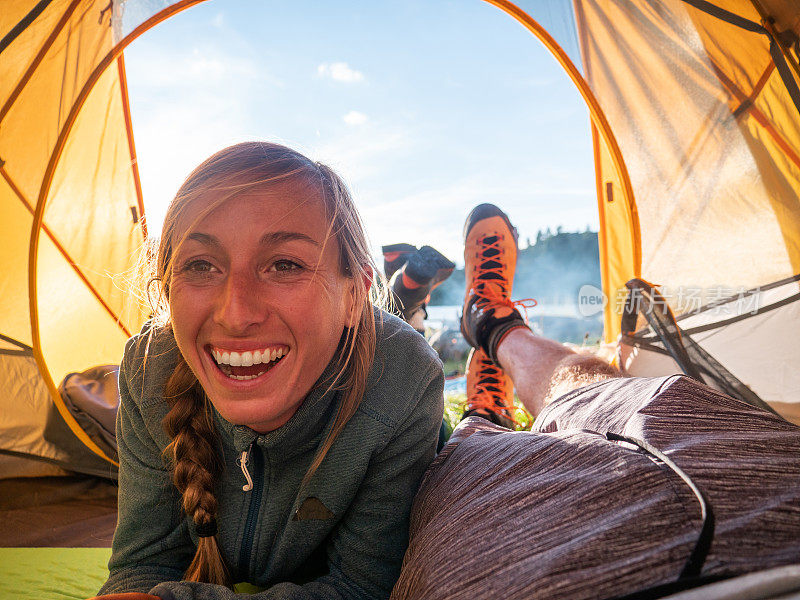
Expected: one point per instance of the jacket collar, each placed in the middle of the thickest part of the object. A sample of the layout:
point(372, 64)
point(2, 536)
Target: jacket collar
point(314, 416)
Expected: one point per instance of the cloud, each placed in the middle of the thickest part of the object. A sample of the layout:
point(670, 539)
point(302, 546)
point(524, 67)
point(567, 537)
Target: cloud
point(355, 118)
point(340, 71)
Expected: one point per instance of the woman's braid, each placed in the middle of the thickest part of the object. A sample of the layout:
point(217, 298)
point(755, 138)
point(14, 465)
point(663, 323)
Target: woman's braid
point(196, 466)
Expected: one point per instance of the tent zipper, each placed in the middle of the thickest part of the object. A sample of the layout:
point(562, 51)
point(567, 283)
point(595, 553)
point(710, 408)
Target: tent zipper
point(256, 483)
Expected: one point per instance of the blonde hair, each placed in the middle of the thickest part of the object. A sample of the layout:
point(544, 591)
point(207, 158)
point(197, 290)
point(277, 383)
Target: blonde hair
point(189, 423)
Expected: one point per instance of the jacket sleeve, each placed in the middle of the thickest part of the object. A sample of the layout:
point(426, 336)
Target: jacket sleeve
point(366, 550)
point(151, 543)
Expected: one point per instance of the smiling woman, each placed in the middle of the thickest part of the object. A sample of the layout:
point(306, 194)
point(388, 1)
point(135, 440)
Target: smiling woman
point(268, 365)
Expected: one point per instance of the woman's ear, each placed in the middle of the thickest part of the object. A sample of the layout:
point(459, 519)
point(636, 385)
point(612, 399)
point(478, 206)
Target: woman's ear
point(359, 289)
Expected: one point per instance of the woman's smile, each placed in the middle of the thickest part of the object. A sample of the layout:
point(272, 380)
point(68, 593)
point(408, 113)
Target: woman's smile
point(248, 364)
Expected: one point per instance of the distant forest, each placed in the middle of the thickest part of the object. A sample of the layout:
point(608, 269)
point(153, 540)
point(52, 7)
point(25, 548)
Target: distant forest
point(551, 270)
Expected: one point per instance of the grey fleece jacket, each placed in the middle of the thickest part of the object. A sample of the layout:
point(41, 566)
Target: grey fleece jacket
point(343, 535)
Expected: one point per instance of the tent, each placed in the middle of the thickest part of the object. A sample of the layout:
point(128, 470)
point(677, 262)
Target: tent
point(695, 120)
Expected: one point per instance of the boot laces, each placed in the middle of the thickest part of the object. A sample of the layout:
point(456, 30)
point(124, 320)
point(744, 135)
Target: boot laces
point(493, 291)
point(492, 296)
point(489, 391)
point(485, 267)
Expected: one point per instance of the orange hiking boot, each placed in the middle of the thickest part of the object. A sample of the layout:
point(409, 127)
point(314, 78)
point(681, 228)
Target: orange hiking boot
point(490, 259)
point(490, 393)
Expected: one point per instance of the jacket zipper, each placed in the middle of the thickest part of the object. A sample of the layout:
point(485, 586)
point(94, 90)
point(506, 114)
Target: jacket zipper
point(242, 461)
point(256, 485)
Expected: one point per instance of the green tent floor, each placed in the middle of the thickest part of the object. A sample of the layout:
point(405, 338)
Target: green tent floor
point(52, 573)
point(59, 573)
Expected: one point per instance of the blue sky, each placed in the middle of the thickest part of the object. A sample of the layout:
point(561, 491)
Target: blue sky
point(425, 107)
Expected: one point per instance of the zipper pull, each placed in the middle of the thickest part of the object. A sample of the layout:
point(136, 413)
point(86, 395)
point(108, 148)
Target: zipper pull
point(242, 462)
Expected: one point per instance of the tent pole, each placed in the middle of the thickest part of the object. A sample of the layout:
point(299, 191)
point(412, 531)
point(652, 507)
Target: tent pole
point(126, 111)
point(598, 117)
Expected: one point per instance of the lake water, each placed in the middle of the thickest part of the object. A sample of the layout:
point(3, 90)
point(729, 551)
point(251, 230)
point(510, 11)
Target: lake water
point(446, 313)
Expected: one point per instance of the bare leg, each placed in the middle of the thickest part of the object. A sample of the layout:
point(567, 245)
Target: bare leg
point(542, 369)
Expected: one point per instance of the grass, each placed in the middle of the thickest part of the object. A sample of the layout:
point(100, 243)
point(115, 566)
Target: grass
point(454, 407)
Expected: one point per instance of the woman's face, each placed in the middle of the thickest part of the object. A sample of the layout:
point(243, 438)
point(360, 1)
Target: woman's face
point(258, 301)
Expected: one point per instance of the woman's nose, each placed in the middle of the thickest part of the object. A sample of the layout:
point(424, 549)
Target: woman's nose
point(238, 306)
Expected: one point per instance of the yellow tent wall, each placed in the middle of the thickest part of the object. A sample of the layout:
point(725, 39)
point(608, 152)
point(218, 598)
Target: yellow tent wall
point(69, 207)
point(711, 139)
point(709, 134)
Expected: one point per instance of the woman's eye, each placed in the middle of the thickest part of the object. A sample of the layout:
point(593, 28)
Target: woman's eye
point(197, 267)
point(285, 266)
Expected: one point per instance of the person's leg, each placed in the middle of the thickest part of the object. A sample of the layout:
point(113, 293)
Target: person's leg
point(412, 275)
point(540, 369)
point(543, 369)
point(394, 257)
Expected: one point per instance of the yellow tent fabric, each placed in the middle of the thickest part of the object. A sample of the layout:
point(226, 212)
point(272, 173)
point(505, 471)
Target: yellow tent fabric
point(710, 134)
point(69, 208)
point(710, 138)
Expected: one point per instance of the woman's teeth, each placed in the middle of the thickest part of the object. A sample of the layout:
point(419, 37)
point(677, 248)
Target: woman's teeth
point(247, 359)
point(246, 377)
point(229, 362)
